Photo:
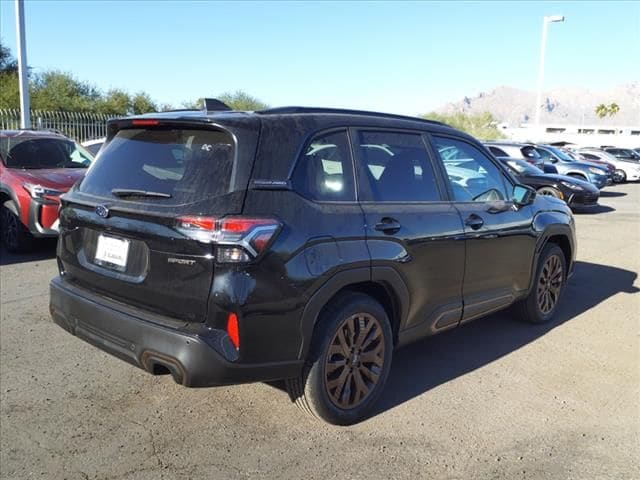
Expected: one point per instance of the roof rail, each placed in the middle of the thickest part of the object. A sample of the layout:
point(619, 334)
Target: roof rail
point(286, 110)
point(215, 105)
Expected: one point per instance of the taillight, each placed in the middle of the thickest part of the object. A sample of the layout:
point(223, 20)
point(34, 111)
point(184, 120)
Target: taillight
point(237, 239)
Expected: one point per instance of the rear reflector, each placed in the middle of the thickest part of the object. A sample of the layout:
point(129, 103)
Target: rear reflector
point(233, 331)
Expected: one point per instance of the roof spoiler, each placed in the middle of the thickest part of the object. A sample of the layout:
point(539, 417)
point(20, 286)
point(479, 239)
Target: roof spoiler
point(215, 105)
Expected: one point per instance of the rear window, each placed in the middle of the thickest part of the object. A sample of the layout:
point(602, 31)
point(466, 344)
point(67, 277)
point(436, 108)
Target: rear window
point(180, 165)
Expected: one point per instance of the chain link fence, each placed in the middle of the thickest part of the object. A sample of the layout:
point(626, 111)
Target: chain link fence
point(77, 125)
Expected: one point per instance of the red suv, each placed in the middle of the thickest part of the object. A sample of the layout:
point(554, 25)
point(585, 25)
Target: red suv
point(36, 168)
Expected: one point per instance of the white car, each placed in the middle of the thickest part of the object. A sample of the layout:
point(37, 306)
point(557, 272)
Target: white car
point(626, 170)
point(94, 145)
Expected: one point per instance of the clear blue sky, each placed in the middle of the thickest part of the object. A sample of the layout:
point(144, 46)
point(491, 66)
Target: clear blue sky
point(391, 56)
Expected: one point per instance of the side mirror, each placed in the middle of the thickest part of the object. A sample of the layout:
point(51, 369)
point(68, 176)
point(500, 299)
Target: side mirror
point(523, 195)
point(548, 168)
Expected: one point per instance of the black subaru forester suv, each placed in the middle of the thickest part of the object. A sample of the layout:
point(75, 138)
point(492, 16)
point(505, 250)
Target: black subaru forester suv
point(301, 244)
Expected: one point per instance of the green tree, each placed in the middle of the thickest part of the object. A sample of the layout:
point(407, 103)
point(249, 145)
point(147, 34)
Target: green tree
point(481, 125)
point(238, 100)
point(8, 64)
point(55, 90)
point(613, 109)
point(142, 103)
point(115, 102)
point(242, 101)
point(9, 90)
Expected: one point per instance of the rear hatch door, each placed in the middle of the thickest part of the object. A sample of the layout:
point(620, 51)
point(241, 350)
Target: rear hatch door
point(118, 226)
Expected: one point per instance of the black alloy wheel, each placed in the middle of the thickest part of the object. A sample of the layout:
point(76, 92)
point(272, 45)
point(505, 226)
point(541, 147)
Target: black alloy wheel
point(550, 284)
point(354, 361)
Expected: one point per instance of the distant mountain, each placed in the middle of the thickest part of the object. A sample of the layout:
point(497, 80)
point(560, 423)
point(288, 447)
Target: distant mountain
point(562, 106)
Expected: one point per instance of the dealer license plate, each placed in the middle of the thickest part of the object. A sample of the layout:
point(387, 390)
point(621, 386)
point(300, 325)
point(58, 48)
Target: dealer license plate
point(112, 252)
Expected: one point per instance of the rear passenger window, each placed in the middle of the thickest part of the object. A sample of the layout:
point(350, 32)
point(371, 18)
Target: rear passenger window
point(395, 167)
point(325, 172)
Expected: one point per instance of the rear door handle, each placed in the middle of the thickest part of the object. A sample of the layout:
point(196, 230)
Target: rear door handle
point(388, 225)
point(474, 221)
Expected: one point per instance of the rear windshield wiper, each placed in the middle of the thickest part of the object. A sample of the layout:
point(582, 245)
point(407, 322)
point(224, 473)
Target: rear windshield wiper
point(127, 192)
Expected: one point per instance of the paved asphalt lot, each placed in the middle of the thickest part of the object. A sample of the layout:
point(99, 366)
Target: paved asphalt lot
point(494, 399)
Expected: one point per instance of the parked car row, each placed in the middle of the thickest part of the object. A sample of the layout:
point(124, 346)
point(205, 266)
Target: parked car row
point(598, 166)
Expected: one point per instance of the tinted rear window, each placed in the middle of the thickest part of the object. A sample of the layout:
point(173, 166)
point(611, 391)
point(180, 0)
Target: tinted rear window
point(189, 165)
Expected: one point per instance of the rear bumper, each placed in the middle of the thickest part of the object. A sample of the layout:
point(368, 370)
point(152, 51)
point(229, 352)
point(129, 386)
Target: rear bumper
point(194, 359)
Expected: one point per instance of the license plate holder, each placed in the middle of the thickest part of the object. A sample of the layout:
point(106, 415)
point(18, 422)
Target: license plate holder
point(112, 252)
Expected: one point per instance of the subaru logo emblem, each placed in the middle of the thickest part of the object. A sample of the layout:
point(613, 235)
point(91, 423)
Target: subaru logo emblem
point(102, 211)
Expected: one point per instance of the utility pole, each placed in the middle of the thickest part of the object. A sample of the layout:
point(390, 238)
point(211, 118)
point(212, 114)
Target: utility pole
point(23, 69)
point(543, 45)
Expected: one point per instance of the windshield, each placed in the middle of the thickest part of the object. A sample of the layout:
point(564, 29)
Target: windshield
point(523, 168)
point(560, 154)
point(39, 153)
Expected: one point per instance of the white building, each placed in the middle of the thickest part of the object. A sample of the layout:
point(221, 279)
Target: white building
point(580, 135)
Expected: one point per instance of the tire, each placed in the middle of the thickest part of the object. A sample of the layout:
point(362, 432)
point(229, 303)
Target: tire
point(619, 176)
point(14, 235)
point(549, 283)
point(337, 385)
point(551, 192)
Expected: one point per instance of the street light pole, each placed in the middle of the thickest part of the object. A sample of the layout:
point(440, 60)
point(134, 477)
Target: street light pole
point(543, 45)
point(25, 112)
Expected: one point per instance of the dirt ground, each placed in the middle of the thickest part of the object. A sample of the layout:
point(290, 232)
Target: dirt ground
point(493, 399)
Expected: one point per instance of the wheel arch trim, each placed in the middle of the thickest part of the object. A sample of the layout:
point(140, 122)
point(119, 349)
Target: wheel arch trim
point(386, 277)
point(4, 189)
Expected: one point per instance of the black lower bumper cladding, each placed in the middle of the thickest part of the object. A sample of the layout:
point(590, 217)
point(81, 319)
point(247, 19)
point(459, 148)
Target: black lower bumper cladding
point(199, 359)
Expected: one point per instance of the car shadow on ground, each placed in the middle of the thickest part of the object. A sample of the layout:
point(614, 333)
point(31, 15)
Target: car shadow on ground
point(609, 193)
point(424, 365)
point(593, 210)
point(43, 249)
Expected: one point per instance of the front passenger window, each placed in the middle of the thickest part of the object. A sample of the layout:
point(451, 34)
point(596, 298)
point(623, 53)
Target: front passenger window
point(472, 175)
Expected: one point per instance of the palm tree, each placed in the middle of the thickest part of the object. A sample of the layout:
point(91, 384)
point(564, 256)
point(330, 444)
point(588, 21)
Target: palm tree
point(602, 110)
point(610, 110)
